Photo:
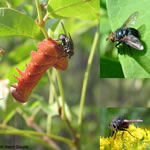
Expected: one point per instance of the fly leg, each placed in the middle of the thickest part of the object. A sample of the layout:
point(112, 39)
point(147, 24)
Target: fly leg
point(122, 135)
point(115, 132)
point(127, 131)
point(118, 45)
point(130, 50)
point(123, 49)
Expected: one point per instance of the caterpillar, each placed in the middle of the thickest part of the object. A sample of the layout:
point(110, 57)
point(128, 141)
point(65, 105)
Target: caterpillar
point(50, 53)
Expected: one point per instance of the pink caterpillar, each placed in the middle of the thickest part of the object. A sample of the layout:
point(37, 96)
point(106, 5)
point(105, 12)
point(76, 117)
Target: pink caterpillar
point(50, 53)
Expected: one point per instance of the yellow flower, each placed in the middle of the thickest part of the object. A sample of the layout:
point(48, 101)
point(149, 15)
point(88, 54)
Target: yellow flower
point(124, 141)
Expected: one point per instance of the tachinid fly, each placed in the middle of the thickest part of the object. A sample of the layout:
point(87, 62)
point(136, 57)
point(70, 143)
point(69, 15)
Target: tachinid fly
point(120, 123)
point(67, 42)
point(127, 35)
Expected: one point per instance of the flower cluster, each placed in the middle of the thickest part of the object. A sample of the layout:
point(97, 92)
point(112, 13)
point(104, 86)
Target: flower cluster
point(124, 141)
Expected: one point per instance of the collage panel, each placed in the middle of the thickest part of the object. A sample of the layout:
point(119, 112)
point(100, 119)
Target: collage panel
point(49, 74)
point(124, 39)
point(124, 93)
point(124, 128)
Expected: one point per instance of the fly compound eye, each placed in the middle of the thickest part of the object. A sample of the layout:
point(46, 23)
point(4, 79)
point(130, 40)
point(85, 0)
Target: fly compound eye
point(113, 127)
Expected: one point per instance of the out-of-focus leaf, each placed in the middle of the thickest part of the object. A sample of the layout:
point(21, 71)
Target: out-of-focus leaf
point(137, 65)
point(14, 3)
point(12, 71)
point(15, 23)
point(110, 68)
point(3, 3)
point(83, 9)
point(50, 109)
point(22, 51)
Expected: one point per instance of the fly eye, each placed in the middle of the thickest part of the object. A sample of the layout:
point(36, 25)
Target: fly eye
point(114, 126)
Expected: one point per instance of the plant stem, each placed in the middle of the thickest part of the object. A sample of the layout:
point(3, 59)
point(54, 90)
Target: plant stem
point(39, 12)
point(51, 97)
point(86, 75)
point(40, 21)
point(30, 122)
point(53, 83)
point(12, 130)
point(76, 139)
point(63, 115)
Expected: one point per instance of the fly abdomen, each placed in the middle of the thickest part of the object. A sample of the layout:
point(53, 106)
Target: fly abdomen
point(134, 32)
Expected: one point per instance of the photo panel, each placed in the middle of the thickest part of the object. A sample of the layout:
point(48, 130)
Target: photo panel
point(124, 128)
point(124, 92)
point(124, 39)
point(49, 74)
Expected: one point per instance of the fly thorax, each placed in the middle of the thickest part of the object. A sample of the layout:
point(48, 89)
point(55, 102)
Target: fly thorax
point(119, 34)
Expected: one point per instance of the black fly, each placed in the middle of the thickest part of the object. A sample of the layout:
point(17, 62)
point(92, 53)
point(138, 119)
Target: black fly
point(127, 35)
point(120, 123)
point(67, 42)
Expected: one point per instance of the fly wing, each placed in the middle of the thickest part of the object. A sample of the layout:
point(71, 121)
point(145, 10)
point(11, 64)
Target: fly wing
point(132, 121)
point(131, 20)
point(133, 42)
point(142, 30)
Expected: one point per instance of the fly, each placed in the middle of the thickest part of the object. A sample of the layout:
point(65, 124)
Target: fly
point(66, 42)
point(127, 35)
point(120, 123)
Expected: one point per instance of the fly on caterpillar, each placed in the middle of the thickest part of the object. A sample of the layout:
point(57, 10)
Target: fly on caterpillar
point(50, 53)
point(67, 42)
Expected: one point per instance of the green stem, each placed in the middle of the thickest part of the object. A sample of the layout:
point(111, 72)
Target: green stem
point(64, 117)
point(51, 97)
point(12, 130)
point(39, 12)
point(62, 94)
point(53, 84)
point(86, 75)
point(40, 21)
point(75, 138)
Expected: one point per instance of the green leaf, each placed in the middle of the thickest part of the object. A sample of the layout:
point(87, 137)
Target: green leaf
point(110, 68)
point(15, 23)
point(3, 3)
point(14, 3)
point(50, 109)
point(83, 9)
point(138, 64)
point(22, 51)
